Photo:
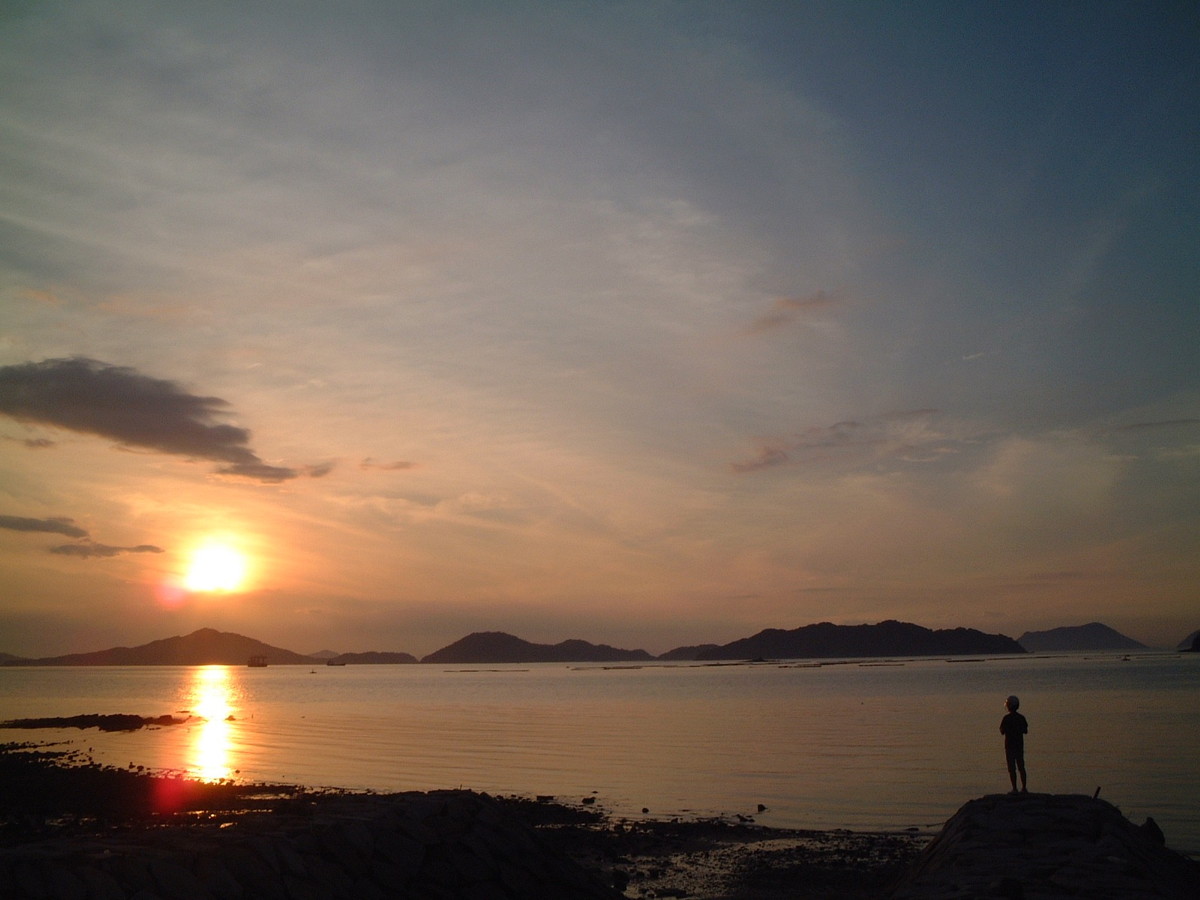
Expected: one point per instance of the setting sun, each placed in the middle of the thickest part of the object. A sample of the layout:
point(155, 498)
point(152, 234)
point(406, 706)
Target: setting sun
point(216, 567)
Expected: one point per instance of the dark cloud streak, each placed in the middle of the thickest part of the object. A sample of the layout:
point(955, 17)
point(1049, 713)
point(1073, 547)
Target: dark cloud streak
point(53, 525)
point(136, 410)
point(397, 466)
point(90, 549)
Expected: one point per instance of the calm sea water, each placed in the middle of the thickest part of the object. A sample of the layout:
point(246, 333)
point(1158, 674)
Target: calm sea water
point(863, 745)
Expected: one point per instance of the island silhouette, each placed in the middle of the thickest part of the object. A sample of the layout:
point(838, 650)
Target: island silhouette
point(824, 640)
point(207, 646)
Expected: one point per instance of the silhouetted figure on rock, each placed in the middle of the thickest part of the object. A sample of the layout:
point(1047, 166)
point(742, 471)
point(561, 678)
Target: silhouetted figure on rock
point(1014, 728)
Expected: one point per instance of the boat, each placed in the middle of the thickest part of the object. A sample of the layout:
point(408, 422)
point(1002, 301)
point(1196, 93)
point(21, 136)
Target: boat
point(335, 662)
point(257, 662)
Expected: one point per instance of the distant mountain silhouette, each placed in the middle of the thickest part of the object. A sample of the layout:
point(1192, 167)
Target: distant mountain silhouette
point(200, 648)
point(1093, 636)
point(890, 638)
point(685, 654)
point(371, 657)
point(498, 647)
point(1191, 642)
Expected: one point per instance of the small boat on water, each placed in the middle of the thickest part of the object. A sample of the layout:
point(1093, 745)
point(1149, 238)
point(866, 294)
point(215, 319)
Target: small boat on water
point(257, 662)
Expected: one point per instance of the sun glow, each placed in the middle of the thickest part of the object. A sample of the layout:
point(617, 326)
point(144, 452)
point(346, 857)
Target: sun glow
point(216, 567)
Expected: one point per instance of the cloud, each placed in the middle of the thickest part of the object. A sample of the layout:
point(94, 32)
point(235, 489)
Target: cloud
point(1160, 425)
point(90, 549)
point(396, 466)
point(905, 436)
point(85, 549)
point(787, 309)
point(31, 443)
point(136, 410)
point(53, 525)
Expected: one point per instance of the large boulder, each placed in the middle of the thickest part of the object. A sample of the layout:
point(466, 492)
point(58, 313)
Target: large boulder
point(1048, 846)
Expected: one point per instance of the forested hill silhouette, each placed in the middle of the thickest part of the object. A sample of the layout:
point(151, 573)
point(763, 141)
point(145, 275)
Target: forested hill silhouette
point(891, 638)
point(1093, 636)
point(205, 647)
point(822, 641)
point(498, 647)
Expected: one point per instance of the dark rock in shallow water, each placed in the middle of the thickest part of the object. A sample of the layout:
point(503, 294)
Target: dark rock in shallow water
point(1047, 846)
point(105, 722)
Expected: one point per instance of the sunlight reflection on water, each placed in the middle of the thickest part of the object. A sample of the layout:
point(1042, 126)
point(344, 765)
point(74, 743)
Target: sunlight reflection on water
point(211, 702)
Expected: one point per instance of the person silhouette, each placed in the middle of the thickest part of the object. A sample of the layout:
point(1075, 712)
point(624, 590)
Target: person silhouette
point(1014, 727)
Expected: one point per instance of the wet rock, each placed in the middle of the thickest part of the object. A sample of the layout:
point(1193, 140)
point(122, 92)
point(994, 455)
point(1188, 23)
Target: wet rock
point(1047, 846)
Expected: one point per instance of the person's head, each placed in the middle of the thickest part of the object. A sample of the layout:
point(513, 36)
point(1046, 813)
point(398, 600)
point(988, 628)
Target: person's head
point(1012, 703)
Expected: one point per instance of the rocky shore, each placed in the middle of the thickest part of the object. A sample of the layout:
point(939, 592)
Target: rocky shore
point(1048, 846)
point(443, 844)
point(71, 829)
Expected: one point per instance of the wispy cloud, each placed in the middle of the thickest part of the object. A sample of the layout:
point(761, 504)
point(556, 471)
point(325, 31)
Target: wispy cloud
point(31, 443)
point(786, 310)
point(136, 410)
point(52, 525)
point(90, 549)
point(908, 436)
point(1160, 425)
point(397, 466)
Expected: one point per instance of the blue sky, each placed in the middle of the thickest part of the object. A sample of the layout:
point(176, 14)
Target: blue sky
point(646, 323)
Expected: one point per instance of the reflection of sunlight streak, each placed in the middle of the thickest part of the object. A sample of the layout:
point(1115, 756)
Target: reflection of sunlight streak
point(211, 745)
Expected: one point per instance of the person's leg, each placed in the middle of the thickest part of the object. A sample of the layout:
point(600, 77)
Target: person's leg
point(1011, 762)
point(1021, 768)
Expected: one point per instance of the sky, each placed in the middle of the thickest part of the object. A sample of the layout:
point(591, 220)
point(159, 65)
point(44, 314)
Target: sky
point(367, 325)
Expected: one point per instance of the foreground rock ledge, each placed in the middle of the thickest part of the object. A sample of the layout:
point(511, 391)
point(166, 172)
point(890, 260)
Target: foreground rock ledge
point(423, 846)
point(1048, 846)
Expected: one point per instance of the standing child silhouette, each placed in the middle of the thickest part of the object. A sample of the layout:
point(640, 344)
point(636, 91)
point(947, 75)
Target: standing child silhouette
point(1014, 728)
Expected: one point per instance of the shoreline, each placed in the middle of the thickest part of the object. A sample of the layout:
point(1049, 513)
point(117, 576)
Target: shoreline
point(59, 801)
point(72, 828)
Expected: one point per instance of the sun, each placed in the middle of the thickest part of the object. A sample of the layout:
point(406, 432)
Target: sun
point(216, 567)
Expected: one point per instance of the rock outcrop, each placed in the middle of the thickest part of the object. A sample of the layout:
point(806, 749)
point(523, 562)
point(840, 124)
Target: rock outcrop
point(1048, 846)
point(413, 846)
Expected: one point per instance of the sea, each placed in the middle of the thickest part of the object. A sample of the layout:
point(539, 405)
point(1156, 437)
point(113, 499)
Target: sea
point(812, 744)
